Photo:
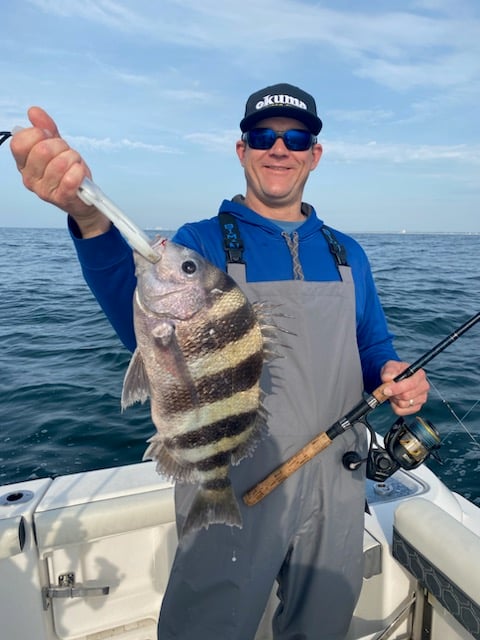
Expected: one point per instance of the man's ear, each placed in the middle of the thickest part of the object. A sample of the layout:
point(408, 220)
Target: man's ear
point(241, 147)
point(317, 151)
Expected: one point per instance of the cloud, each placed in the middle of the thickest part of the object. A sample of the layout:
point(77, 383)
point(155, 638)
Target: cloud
point(107, 144)
point(443, 71)
point(218, 142)
point(361, 116)
point(134, 79)
point(401, 153)
point(189, 95)
point(430, 44)
point(106, 12)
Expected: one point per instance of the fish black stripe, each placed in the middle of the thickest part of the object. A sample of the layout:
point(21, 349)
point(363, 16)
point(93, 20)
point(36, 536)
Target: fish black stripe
point(219, 484)
point(219, 460)
point(212, 433)
point(218, 279)
point(220, 332)
point(215, 387)
point(228, 382)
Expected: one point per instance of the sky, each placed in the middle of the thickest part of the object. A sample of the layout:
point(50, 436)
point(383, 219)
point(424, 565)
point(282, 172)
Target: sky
point(151, 93)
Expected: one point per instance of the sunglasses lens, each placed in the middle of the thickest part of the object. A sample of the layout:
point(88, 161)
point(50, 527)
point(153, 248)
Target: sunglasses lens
point(261, 138)
point(297, 139)
point(294, 139)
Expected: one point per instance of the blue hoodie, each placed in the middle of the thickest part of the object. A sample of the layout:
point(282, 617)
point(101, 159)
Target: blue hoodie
point(108, 268)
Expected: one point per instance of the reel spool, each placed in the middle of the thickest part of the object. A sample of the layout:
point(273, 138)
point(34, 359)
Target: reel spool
point(407, 446)
point(410, 445)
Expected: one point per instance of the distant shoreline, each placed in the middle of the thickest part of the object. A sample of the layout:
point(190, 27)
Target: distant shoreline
point(402, 232)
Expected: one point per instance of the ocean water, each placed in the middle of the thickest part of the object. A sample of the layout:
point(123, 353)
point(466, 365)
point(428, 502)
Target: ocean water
point(62, 366)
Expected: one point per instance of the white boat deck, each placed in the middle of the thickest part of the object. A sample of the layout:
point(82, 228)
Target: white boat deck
point(78, 535)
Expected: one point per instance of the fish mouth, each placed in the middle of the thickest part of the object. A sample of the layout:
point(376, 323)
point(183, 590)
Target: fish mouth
point(162, 296)
point(149, 303)
point(159, 245)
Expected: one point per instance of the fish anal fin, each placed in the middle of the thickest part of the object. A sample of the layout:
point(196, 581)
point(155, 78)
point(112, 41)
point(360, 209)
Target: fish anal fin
point(167, 464)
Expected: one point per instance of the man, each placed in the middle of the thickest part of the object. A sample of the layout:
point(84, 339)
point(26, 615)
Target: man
point(306, 535)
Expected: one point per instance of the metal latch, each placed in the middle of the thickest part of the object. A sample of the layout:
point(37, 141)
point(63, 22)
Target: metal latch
point(68, 588)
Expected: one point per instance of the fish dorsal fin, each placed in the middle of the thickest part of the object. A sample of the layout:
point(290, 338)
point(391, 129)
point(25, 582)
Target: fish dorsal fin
point(136, 387)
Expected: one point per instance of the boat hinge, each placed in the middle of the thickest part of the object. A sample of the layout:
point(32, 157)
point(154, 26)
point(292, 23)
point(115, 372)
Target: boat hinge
point(68, 588)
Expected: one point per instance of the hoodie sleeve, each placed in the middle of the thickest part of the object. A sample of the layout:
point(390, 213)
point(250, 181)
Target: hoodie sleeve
point(108, 268)
point(375, 342)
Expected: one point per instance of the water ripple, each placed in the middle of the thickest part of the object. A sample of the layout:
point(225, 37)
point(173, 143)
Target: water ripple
point(62, 365)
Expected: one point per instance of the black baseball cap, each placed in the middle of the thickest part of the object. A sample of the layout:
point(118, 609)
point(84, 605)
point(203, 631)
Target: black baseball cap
point(281, 100)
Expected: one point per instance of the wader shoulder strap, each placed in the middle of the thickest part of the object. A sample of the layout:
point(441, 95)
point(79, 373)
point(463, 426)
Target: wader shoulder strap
point(233, 245)
point(232, 242)
point(336, 249)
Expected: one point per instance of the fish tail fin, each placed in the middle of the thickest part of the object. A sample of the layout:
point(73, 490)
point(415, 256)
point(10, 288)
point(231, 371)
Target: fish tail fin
point(214, 503)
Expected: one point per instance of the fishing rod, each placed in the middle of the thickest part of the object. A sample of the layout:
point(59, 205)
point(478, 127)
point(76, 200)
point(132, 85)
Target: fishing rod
point(357, 414)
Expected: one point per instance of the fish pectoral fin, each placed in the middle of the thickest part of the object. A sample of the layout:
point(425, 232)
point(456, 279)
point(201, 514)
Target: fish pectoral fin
point(178, 367)
point(136, 387)
point(165, 334)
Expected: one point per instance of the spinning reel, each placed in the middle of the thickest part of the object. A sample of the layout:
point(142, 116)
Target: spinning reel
point(406, 447)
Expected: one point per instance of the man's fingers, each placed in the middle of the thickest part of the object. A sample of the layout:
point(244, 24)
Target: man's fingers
point(39, 158)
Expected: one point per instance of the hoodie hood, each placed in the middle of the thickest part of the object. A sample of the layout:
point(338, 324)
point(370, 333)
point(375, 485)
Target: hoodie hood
point(236, 206)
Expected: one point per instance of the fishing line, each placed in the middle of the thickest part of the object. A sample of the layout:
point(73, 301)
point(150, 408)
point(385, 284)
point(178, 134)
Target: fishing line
point(471, 409)
point(455, 415)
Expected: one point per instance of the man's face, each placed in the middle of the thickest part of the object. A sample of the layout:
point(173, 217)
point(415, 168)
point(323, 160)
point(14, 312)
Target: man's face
point(276, 177)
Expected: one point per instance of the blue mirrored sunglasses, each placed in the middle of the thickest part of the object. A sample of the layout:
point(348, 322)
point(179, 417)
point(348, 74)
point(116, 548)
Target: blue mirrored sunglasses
point(294, 139)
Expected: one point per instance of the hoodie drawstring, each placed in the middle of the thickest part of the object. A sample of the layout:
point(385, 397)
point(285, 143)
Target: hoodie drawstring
point(292, 242)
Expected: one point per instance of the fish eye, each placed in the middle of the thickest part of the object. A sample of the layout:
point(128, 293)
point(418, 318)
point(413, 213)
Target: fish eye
point(189, 267)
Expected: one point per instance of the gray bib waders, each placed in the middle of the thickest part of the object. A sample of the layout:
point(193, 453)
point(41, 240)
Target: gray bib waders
point(308, 533)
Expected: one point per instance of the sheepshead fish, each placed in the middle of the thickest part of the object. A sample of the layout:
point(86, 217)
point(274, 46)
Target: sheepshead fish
point(200, 351)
